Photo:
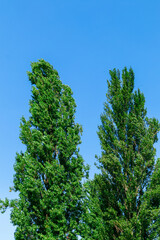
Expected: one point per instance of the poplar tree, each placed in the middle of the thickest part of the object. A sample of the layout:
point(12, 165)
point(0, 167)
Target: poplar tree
point(48, 174)
point(128, 186)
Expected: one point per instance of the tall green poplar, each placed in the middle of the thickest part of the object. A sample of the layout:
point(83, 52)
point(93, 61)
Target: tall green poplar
point(48, 174)
point(127, 162)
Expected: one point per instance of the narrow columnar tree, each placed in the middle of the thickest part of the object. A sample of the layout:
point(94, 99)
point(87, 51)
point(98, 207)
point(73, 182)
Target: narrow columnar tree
point(48, 174)
point(127, 163)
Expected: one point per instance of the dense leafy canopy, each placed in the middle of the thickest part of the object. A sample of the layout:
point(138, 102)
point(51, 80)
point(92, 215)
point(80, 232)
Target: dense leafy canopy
point(122, 202)
point(48, 174)
point(127, 192)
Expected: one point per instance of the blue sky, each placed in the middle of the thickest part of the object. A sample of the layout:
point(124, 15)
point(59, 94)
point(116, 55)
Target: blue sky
point(83, 40)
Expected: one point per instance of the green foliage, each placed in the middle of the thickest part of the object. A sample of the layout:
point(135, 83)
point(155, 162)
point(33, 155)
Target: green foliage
point(48, 174)
point(123, 202)
point(92, 225)
point(127, 190)
point(152, 204)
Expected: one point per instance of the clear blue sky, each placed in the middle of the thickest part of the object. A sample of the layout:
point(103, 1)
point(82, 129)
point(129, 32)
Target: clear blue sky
point(82, 39)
